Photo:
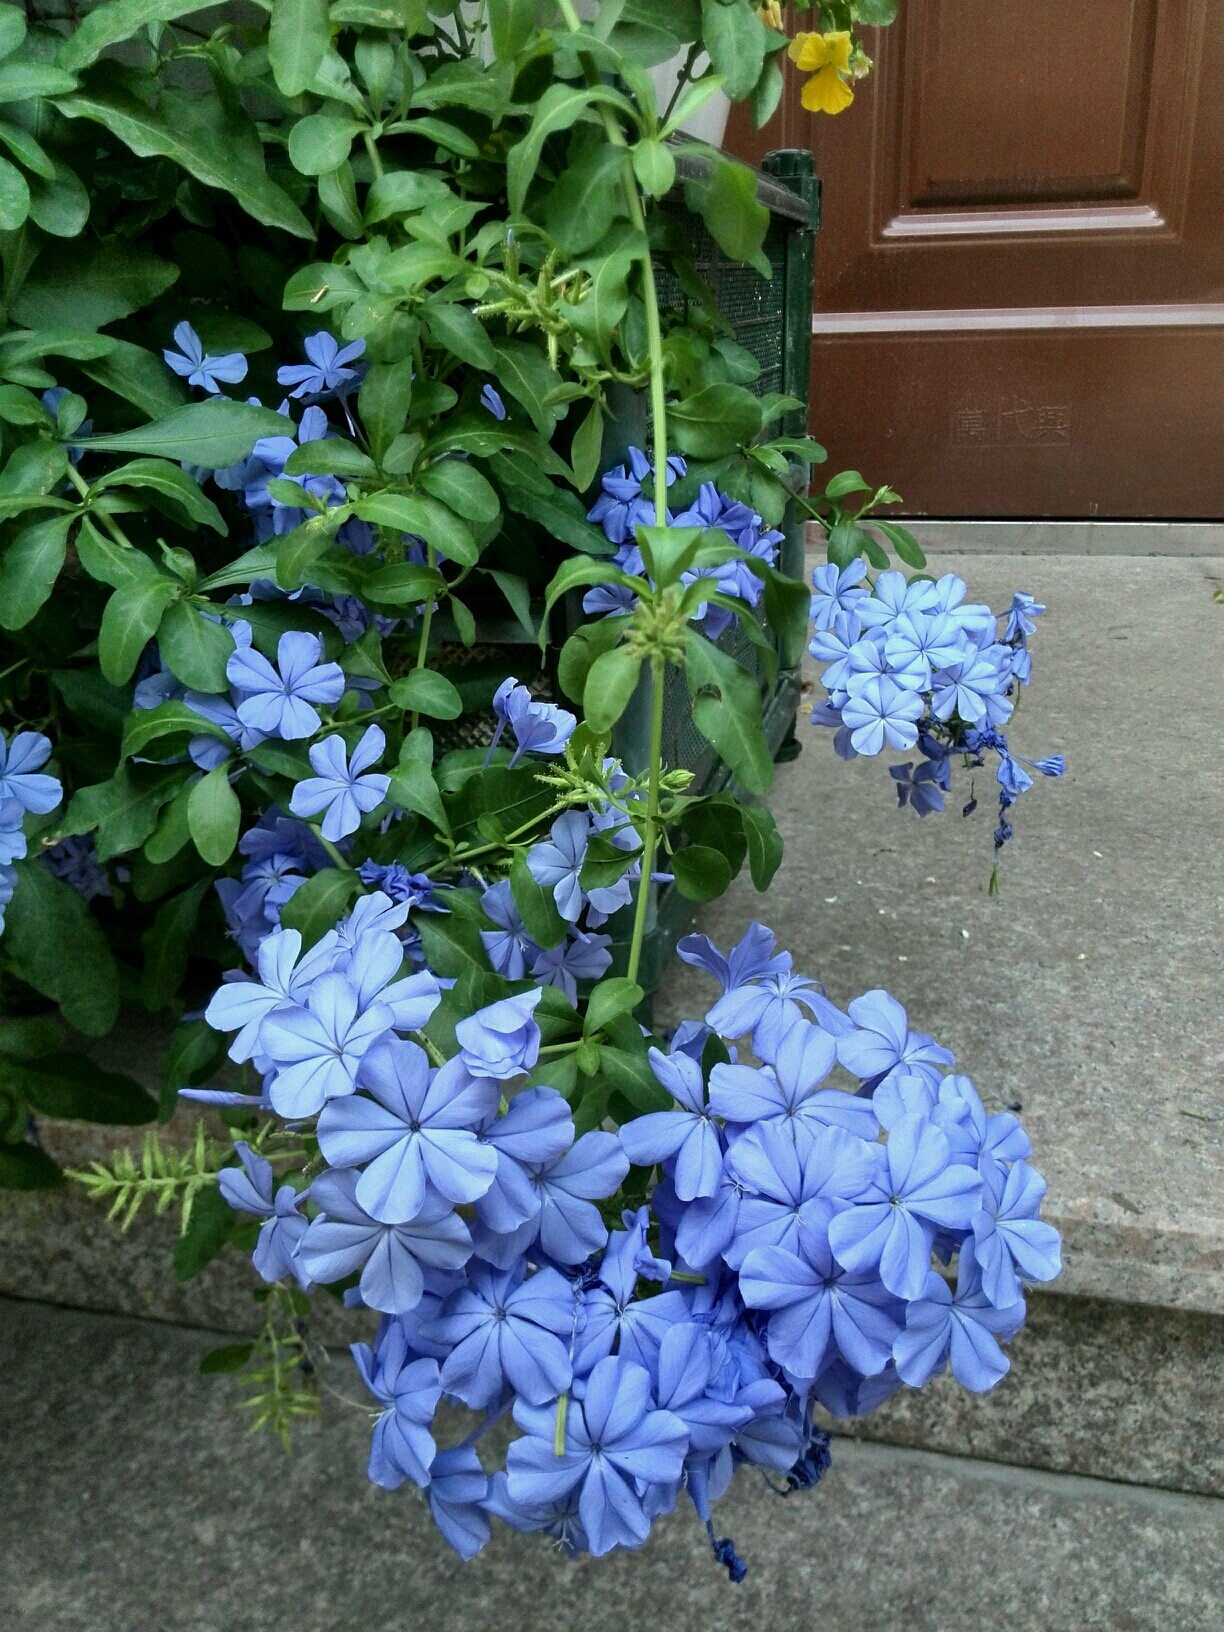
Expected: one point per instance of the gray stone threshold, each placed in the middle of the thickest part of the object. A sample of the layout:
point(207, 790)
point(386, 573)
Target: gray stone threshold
point(1179, 538)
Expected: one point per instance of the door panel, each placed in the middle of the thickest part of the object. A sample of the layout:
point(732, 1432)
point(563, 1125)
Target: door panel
point(1019, 302)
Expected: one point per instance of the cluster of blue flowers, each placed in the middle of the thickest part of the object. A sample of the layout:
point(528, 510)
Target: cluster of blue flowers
point(24, 788)
point(622, 507)
point(911, 664)
point(785, 1258)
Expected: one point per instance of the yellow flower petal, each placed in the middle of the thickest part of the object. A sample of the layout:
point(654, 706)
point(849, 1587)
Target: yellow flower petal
point(838, 45)
point(808, 52)
point(826, 92)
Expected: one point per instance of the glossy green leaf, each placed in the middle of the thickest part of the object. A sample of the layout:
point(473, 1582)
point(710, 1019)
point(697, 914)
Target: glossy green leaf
point(173, 719)
point(609, 999)
point(59, 205)
point(525, 373)
point(716, 421)
point(429, 519)
point(58, 947)
point(702, 874)
point(413, 788)
point(172, 481)
point(320, 903)
point(764, 844)
point(122, 812)
point(29, 568)
point(320, 143)
point(510, 25)
point(463, 488)
point(298, 38)
point(735, 37)
point(167, 942)
point(727, 712)
point(87, 284)
point(610, 684)
point(587, 198)
point(215, 433)
point(405, 584)
point(536, 906)
point(130, 621)
point(654, 167)
point(69, 1086)
point(194, 648)
point(459, 331)
point(424, 691)
point(14, 197)
point(384, 400)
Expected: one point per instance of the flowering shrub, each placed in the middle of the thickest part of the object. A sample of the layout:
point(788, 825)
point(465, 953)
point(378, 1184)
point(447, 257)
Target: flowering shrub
point(315, 335)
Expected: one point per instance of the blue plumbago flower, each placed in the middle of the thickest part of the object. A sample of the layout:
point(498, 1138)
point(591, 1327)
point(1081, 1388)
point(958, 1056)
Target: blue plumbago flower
point(882, 1040)
point(973, 690)
point(611, 1316)
point(411, 890)
point(615, 1443)
point(978, 622)
point(392, 1258)
point(277, 834)
point(536, 1129)
point(75, 860)
point(559, 1519)
point(340, 789)
point(511, 950)
point(490, 400)
point(920, 787)
point(409, 1390)
point(191, 364)
point(789, 1093)
point(892, 596)
point(749, 959)
point(817, 1309)
point(566, 1222)
point(921, 642)
point(12, 832)
point(8, 884)
point(325, 372)
point(458, 1487)
point(578, 957)
point(503, 1331)
point(280, 704)
point(966, 1328)
point(20, 779)
point(786, 1184)
point(1009, 1239)
point(539, 728)
point(880, 711)
point(412, 1131)
point(621, 506)
point(208, 752)
point(502, 1040)
point(971, 1134)
point(557, 861)
point(317, 1048)
point(837, 591)
point(689, 1134)
point(248, 1189)
point(918, 1190)
point(285, 980)
point(769, 1009)
point(834, 646)
point(1022, 617)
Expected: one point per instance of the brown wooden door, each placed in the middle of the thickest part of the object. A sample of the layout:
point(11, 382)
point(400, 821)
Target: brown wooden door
point(1019, 303)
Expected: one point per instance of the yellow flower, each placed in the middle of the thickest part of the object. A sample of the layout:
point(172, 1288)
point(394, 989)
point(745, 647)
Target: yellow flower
point(770, 13)
point(826, 57)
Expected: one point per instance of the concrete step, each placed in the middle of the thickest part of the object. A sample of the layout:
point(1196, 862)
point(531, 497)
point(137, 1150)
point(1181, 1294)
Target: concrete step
point(133, 1500)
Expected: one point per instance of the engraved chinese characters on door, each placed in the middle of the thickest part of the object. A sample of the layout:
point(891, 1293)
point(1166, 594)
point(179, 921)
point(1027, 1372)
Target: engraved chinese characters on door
point(1013, 422)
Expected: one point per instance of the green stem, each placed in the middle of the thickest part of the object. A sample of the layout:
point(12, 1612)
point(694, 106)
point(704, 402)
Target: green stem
point(657, 671)
point(426, 618)
point(371, 147)
point(331, 849)
point(108, 521)
point(483, 849)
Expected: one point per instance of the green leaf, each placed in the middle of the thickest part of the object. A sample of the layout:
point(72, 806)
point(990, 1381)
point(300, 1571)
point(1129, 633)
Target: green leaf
point(122, 812)
point(561, 513)
point(702, 874)
point(172, 481)
point(130, 621)
point(384, 400)
point(587, 446)
point(30, 567)
point(630, 1075)
point(735, 38)
point(33, 468)
point(167, 941)
point(604, 863)
point(587, 198)
point(510, 23)
point(87, 284)
point(112, 23)
point(139, 377)
point(194, 648)
point(526, 374)
point(57, 946)
point(12, 29)
point(21, 79)
point(766, 94)
point(654, 167)
point(210, 1226)
point(578, 574)
point(110, 563)
point(788, 605)
point(726, 200)
point(694, 95)
point(536, 906)
point(70, 1087)
point(298, 38)
point(174, 719)
point(903, 541)
point(844, 483)
point(320, 143)
point(21, 407)
point(764, 844)
point(14, 197)
point(669, 551)
point(581, 650)
point(214, 434)
point(404, 584)
point(25, 1167)
point(458, 330)
point(518, 594)
point(463, 488)
point(716, 421)
point(607, 1000)
point(465, 623)
point(214, 816)
point(172, 831)
point(214, 142)
point(59, 206)
point(413, 788)
point(400, 192)
point(716, 823)
point(480, 438)
point(560, 106)
point(89, 697)
point(193, 1057)
point(436, 523)
point(445, 135)
point(450, 941)
point(424, 691)
point(610, 684)
point(320, 903)
point(730, 720)
point(228, 1356)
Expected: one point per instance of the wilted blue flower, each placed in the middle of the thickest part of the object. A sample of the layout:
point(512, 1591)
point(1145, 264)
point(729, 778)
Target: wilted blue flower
point(502, 1330)
point(918, 1190)
point(817, 1308)
point(615, 1444)
point(248, 1189)
point(191, 363)
point(340, 789)
point(325, 371)
point(1009, 1239)
point(919, 788)
point(492, 401)
point(1022, 617)
point(391, 1257)
point(880, 711)
point(412, 890)
point(688, 1134)
point(318, 1048)
point(20, 759)
point(414, 1131)
point(578, 957)
point(409, 1389)
point(966, 1327)
point(501, 1040)
point(280, 703)
point(277, 834)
